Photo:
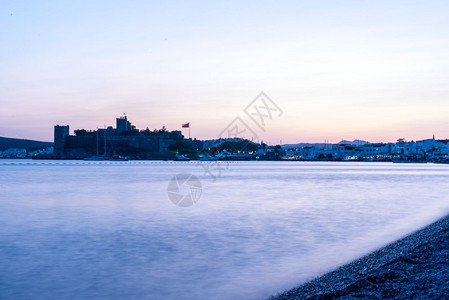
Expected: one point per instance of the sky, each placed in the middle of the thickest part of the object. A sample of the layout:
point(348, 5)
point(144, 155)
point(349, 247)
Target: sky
point(371, 70)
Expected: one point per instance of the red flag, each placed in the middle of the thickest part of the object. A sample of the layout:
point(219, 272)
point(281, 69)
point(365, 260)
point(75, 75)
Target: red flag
point(186, 125)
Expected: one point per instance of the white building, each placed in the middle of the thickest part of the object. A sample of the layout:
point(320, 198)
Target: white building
point(15, 153)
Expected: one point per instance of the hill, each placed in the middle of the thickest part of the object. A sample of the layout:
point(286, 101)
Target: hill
point(354, 142)
point(300, 145)
point(6, 143)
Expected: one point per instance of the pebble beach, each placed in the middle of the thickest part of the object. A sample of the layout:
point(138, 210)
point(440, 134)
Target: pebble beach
point(416, 266)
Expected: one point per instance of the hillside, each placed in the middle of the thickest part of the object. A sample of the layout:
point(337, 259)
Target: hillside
point(300, 145)
point(6, 143)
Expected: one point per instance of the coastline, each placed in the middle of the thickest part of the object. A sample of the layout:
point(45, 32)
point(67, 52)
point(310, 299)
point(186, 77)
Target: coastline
point(416, 266)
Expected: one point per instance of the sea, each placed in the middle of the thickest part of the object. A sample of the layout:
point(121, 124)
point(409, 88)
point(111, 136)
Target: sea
point(200, 230)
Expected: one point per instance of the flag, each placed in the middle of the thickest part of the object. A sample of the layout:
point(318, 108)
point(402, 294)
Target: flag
point(186, 125)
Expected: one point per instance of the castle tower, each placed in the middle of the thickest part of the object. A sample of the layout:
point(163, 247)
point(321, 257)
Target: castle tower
point(61, 132)
point(122, 124)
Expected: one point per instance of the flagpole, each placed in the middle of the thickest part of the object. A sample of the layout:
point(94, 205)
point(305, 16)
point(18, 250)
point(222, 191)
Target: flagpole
point(189, 131)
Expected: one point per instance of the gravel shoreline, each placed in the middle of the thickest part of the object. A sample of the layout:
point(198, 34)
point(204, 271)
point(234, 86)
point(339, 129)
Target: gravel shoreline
point(416, 266)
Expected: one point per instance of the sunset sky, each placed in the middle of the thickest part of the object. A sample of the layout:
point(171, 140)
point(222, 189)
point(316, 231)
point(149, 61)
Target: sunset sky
point(372, 70)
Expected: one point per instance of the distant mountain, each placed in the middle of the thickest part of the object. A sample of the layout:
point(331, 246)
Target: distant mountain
point(354, 142)
point(301, 145)
point(6, 143)
point(322, 145)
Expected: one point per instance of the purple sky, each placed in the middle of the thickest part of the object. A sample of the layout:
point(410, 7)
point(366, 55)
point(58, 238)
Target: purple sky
point(370, 70)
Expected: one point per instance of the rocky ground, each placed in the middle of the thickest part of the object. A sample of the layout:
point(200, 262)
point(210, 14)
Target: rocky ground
point(414, 267)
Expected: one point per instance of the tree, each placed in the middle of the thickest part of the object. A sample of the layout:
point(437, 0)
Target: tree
point(81, 132)
point(182, 147)
point(277, 148)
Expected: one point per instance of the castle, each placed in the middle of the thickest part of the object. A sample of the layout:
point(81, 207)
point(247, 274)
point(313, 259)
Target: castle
point(123, 140)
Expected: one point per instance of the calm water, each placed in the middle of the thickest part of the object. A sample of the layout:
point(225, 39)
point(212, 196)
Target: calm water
point(107, 230)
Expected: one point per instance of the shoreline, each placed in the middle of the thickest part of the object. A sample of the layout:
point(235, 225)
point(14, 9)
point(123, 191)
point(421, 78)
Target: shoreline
point(416, 266)
point(238, 160)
